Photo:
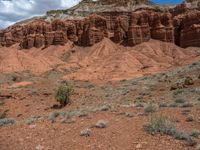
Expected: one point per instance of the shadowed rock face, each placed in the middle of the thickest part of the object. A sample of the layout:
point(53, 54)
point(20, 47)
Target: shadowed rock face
point(180, 25)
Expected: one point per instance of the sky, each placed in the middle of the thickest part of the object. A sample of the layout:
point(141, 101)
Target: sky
point(167, 1)
point(12, 11)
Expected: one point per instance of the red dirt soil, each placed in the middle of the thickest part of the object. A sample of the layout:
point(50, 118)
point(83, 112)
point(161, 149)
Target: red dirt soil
point(121, 133)
point(103, 61)
point(108, 61)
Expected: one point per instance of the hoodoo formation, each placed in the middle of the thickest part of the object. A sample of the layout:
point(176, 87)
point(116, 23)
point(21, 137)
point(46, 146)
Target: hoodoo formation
point(90, 21)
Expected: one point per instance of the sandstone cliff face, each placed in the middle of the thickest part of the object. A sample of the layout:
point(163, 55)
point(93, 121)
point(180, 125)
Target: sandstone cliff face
point(187, 31)
point(180, 26)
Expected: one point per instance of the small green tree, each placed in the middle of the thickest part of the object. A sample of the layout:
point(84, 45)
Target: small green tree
point(63, 94)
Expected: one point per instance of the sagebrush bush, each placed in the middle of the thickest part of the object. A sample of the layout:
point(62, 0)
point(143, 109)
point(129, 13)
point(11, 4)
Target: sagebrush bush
point(2, 115)
point(63, 94)
point(180, 101)
point(179, 135)
point(188, 104)
point(195, 133)
point(7, 121)
point(151, 107)
point(160, 124)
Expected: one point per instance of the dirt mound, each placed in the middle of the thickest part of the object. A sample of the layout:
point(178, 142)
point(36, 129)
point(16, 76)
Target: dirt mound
point(104, 61)
point(33, 60)
point(108, 61)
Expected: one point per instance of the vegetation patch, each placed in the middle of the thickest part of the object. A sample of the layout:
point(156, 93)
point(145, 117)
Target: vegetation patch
point(151, 107)
point(3, 115)
point(160, 124)
point(7, 121)
point(64, 93)
point(180, 101)
point(195, 133)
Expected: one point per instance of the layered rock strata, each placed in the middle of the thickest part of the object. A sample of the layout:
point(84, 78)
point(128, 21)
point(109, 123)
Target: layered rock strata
point(180, 26)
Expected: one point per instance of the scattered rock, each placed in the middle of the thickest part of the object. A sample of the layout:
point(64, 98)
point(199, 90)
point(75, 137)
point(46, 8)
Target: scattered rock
point(32, 126)
point(190, 118)
point(86, 132)
point(138, 146)
point(83, 114)
point(21, 84)
point(101, 124)
point(198, 147)
point(68, 120)
point(31, 120)
point(53, 116)
point(151, 107)
point(129, 114)
point(39, 147)
point(105, 107)
point(19, 115)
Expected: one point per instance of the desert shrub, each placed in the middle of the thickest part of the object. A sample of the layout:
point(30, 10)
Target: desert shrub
point(160, 124)
point(195, 133)
point(179, 135)
point(163, 105)
point(190, 118)
point(6, 121)
point(32, 120)
point(174, 105)
point(178, 91)
point(139, 105)
point(163, 125)
point(2, 115)
point(188, 81)
point(52, 117)
point(188, 105)
point(180, 101)
point(151, 107)
point(63, 94)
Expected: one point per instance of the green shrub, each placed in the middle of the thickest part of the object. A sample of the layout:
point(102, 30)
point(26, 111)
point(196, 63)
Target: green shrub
point(160, 124)
point(63, 94)
point(195, 133)
point(151, 107)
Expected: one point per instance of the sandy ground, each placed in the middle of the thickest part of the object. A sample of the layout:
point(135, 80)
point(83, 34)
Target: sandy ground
point(103, 76)
point(121, 133)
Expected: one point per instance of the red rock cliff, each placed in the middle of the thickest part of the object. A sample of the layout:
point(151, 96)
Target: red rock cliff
point(180, 26)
